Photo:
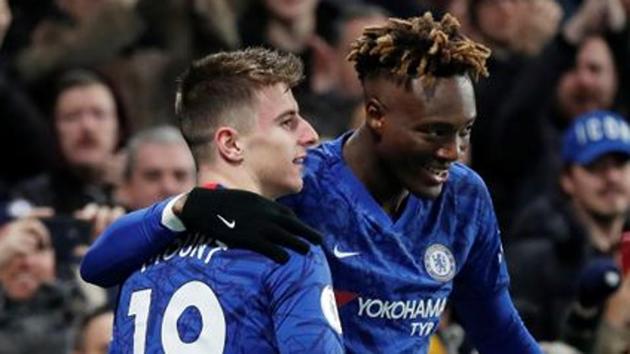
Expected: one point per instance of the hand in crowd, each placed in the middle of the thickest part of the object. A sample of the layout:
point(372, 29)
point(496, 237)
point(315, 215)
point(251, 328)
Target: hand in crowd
point(100, 216)
point(325, 73)
point(617, 313)
point(557, 348)
point(21, 236)
point(616, 15)
point(113, 168)
point(5, 19)
point(590, 18)
point(533, 32)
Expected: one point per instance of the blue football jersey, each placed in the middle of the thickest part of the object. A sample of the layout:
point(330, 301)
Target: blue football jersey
point(393, 278)
point(199, 297)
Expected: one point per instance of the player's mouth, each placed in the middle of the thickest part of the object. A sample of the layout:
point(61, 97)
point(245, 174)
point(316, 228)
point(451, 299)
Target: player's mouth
point(435, 175)
point(299, 160)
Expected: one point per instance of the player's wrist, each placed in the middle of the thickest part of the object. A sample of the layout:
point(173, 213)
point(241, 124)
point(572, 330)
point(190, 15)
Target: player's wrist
point(172, 211)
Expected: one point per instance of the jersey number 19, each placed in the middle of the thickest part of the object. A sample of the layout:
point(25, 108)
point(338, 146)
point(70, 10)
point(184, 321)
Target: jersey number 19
point(211, 339)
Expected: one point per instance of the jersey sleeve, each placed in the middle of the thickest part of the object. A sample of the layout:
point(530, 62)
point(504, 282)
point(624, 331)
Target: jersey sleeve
point(485, 272)
point(500, 329)
point(480, 293)
point(126, 244)
point(303, 305)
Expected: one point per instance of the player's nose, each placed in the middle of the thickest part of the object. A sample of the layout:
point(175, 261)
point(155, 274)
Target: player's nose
point(307, 134)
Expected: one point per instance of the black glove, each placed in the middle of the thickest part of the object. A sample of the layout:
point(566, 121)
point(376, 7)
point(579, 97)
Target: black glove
point(242, 219)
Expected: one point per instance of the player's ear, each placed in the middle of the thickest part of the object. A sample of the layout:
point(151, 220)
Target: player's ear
point(374, 115)
point(228, 144)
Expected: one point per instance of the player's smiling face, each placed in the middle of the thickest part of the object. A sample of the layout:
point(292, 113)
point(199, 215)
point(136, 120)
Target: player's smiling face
point(422, 131)
point(277, 147)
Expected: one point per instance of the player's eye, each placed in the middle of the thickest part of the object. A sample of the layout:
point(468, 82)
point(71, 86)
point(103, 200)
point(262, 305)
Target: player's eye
point(438, 131)
point(464, 133)
point(289, 123)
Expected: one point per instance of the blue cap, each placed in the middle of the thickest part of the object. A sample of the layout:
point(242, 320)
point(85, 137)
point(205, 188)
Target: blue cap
point(593, 135)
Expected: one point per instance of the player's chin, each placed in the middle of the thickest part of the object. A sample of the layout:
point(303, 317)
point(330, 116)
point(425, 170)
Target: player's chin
point(426, 191)
point(294, 185)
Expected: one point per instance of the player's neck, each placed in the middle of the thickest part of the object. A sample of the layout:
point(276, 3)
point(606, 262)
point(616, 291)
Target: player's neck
point(382, 185)
point(233, 178)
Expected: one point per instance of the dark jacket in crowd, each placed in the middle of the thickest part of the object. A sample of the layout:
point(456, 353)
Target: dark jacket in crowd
point(550, 248)
point(63, 191)
point(45, 324)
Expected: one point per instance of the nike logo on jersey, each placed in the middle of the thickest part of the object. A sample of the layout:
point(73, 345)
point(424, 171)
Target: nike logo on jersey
point(227, 223)
point(340, 254)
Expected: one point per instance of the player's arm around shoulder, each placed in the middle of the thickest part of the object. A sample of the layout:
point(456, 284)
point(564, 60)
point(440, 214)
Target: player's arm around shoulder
point(127, 243)
point(303, 305)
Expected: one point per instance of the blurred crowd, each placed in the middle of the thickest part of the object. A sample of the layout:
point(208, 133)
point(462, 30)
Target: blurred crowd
point(87, 101)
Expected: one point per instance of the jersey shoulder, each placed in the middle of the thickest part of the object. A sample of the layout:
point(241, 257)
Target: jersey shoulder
point(321, 166)
point(468, 194)
point(300, 268)
point(464, 179)
point(321, 158)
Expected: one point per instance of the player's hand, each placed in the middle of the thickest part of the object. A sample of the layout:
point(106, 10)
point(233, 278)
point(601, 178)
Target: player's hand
point(246, 220)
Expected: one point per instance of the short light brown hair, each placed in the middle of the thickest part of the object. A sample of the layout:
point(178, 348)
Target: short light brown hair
point(219, 88)
point(418, 47)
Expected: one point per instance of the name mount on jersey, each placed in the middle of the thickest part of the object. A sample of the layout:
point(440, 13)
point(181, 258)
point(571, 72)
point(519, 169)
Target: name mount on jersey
point(196, 246)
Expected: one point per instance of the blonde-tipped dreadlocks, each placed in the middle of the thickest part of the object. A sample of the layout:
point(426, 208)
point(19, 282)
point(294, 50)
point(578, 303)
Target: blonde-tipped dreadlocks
point(418, 47)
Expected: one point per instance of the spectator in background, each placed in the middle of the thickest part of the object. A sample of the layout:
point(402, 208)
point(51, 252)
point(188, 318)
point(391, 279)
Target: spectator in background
point(336, 101)
point(563, 232)
point(528, 121)
point(81, 33)
point(88, 127)
point(347, 27)
point(591, 83)
point(21, 121)
point(112, 37)
point(26, 14)
point(159, 165)
point(37, 311)
point(95, 332)
point(303, 28)
point(500, 25)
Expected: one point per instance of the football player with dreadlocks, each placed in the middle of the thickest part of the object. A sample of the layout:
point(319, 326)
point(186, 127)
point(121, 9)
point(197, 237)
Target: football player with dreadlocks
point(406, 227)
